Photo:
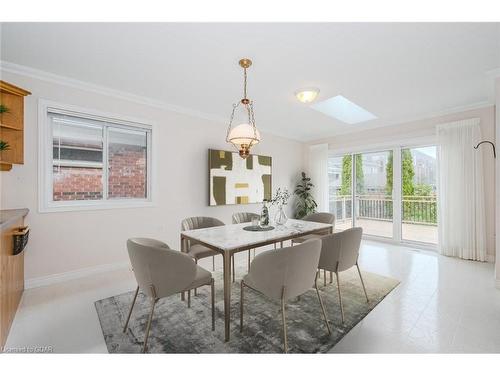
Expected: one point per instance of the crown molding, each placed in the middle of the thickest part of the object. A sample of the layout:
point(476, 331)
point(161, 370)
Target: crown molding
point(103, 90)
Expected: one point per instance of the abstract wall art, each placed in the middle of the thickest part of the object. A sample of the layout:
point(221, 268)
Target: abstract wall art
point(234, 180)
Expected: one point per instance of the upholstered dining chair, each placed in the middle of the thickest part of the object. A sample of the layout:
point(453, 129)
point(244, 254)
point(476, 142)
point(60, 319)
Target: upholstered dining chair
point(161, 272)
point(284, 274)
point(244, 217)
point(340, 252)
point(194, 249)
point(317, 217)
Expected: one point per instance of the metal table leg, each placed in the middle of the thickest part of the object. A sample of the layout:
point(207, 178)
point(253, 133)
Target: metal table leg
point(227, 294)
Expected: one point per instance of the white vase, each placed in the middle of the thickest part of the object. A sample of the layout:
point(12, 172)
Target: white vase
point(280, 218)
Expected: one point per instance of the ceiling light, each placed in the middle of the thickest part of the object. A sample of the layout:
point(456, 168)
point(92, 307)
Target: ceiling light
point(344, 110)
point(307, 95)
point(245, 135)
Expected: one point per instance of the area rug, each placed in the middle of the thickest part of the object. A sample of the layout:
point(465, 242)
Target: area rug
point(179, 329)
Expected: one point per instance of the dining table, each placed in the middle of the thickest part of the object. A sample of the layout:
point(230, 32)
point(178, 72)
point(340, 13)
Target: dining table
point(231, 239)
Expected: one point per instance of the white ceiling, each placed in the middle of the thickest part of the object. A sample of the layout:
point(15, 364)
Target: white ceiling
point(399, 72)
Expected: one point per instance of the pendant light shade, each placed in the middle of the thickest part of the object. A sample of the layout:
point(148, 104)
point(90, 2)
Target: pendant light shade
point(245, 135)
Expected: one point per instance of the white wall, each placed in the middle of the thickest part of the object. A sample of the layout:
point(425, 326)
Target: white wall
point(67, 241)
point(425, 129)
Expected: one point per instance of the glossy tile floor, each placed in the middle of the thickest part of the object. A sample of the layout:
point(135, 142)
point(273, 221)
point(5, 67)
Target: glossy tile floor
point(442, 305)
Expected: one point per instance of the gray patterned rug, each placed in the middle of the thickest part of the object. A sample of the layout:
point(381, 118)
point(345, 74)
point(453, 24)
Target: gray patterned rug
point(177, 329)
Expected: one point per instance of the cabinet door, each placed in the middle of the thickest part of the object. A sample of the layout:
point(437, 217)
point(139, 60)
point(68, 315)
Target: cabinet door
point(12, 119)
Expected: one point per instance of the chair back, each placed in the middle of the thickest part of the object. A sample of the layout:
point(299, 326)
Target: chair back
point(291, 267)
point(244, 217)
point(321, 217)
point(156, 265)
point(340, 251)
point(199, 222)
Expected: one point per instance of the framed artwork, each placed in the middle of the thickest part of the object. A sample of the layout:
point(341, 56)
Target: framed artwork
point(234, 180)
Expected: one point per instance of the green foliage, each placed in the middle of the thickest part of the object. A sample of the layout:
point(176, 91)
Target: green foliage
point(305, 203)
point(3, 109)
point(345, 187)
point(4, 146)
point(408, 173)
point(423, 190)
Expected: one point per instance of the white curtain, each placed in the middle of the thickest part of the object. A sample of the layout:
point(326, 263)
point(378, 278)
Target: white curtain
point(462, 230)
point(318, 172)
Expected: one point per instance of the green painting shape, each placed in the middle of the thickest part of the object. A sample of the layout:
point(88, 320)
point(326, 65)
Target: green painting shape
point(266, 180)
point(219, 189)
point(215, 161)
point(265, 160)
point(250, 162)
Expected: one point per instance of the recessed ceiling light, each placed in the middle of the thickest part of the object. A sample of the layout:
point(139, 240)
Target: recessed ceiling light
point(344, 110)
point(307, 95)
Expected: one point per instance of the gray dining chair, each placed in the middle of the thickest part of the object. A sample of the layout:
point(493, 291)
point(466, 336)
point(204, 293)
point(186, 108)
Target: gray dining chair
point(340, 252)
point(317, 217)
point(161, 272)
point(244, 217)
point(284, 274)
point(194, 249)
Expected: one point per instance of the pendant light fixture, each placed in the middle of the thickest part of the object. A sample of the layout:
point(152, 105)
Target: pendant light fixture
point(244, 135)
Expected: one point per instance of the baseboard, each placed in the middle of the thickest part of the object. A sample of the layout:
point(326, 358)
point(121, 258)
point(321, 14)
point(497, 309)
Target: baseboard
point(72, 275)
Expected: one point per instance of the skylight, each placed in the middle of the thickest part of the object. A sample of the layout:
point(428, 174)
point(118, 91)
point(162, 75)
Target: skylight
point(344, 110)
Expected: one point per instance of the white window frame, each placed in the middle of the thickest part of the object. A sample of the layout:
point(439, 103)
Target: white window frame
point(45, 160)
point(396, 148)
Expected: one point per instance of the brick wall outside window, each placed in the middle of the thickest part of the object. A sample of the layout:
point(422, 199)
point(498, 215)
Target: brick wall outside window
point(75, 183)
point(127, 171)
point(126, 178)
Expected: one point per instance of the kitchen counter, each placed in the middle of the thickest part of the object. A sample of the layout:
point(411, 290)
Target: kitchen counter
point(8, 216)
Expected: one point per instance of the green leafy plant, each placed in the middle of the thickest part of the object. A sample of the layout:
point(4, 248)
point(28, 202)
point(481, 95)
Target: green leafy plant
point(3, 109)
point(4, 146)
point(305, 203)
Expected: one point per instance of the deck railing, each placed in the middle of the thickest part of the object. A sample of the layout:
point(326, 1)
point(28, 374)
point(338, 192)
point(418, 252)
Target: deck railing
point(415, 209)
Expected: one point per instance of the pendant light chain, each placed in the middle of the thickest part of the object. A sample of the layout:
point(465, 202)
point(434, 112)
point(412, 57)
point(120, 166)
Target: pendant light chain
point(245, 135)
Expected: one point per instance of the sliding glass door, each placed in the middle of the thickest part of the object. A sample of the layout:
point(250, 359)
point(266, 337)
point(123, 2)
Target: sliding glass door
point(340, 190)
point(419, 198)
point(389, 193)
point(373, 203)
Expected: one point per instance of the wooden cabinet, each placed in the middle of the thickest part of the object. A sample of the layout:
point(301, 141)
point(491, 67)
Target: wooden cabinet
point(11, 271)
point(12, 124)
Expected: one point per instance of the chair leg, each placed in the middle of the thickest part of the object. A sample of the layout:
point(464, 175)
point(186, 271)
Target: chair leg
point(340, 296)
point(131, 308)
point(212, 288)
point(241, 305)
point(253, 253)
point(249, 251)
point(324, 277)
point(362, 283)
point(148, 328)
point(274, 246)
point(195, 291)
point(283, 319)
point(322, 305)
point(331, 277)
point(189, 298)
point(213, 263)
point(234, 272)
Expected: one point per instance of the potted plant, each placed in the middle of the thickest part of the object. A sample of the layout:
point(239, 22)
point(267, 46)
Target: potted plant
point(281, 199)
point(4, 146)
point(305, 203)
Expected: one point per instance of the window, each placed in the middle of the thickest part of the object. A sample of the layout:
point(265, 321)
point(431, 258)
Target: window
point(389, 193)
point(90, 161)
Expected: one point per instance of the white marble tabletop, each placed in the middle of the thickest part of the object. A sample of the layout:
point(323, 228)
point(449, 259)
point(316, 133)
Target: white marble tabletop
point(231, 237)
